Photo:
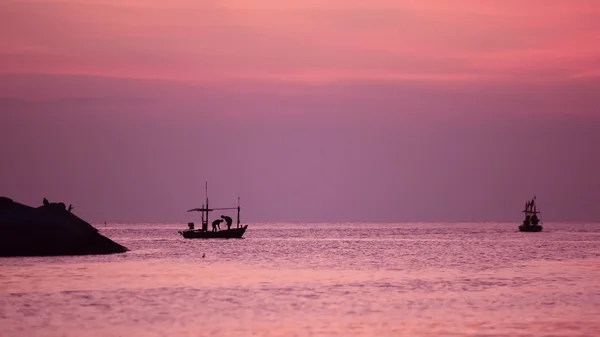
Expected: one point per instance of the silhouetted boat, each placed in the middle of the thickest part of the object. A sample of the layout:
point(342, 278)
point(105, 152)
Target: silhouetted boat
point(216, 232)
point(234, 233)
point(532, 221)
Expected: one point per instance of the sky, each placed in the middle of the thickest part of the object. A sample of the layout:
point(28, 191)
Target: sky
point(309, 111)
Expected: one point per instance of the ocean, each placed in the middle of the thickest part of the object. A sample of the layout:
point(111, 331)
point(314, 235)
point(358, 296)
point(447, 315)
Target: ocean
point(407, 279)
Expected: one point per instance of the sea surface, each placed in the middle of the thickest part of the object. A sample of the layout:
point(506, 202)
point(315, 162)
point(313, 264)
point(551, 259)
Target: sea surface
point(468, 279)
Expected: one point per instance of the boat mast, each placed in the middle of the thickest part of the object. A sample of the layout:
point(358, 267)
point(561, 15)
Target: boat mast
point(531, 207)
point(206, 195)
point(238, 215)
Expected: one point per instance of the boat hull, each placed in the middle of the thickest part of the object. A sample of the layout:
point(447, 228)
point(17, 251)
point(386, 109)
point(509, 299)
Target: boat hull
point(530, 228)
point(234, 233)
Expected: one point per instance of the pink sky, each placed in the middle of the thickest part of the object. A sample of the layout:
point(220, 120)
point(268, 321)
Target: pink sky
point(308, 41)
point(309, 110)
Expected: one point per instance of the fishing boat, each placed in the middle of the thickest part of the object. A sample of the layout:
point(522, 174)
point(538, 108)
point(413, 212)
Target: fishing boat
point(216, 232)
point(532, 221)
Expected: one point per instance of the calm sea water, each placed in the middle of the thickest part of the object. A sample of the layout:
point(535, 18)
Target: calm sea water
point(315, 280)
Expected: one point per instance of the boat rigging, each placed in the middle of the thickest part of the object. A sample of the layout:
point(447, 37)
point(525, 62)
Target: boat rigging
point(216, 232)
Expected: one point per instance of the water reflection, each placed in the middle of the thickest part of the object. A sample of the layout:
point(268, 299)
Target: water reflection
point(424, 280)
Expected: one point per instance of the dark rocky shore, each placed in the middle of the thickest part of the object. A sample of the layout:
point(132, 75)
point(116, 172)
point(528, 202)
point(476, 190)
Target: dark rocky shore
point(49, 230)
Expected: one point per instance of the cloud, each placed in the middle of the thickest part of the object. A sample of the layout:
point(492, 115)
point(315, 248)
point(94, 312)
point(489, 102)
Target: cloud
point(306, 41)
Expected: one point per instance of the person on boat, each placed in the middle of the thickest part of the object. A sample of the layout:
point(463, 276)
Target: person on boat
point(228, 221)
point(535, 220)
point(216, 225)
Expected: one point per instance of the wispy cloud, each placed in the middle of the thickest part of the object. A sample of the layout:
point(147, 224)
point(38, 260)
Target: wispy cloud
point(303, 40)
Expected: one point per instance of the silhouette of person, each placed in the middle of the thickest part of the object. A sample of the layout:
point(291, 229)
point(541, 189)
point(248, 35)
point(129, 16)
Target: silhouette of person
point(70, 208)
point(46, 202)
point(216, 225)
point(227, 220)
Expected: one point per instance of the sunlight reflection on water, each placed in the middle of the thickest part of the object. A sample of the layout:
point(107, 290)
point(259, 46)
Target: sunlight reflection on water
point(315, 280)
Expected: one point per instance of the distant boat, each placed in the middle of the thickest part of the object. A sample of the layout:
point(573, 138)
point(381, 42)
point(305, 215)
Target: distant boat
point(532, 221)
point(216, 232)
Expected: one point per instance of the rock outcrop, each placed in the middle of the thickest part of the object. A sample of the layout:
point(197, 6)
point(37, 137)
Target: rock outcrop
point(48, 230)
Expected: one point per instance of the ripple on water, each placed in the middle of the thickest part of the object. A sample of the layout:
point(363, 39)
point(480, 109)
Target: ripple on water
point(311, 280)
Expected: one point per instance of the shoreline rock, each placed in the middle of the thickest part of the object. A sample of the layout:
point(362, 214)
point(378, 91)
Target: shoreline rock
point(49, 230)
